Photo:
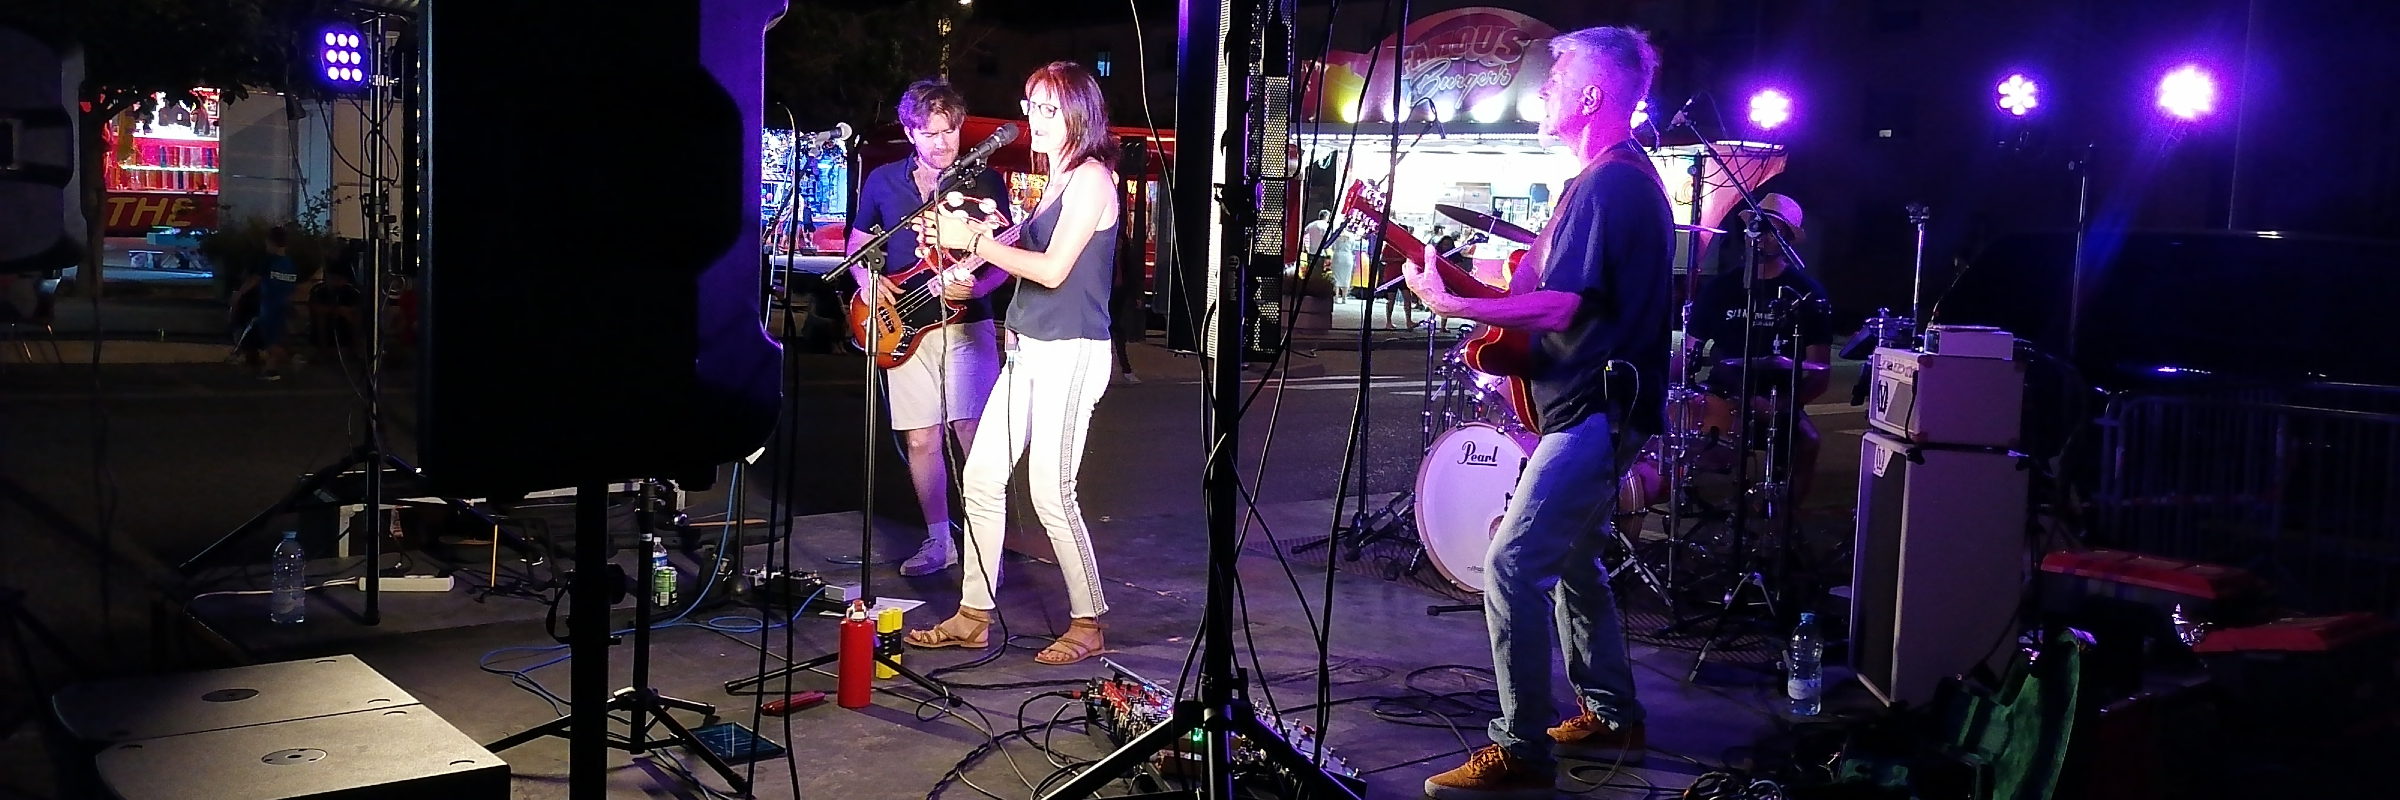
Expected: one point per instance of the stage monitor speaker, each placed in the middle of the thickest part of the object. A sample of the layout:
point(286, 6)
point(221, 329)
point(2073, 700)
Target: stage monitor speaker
point(1940, 564)
point(153, 706)
point(406, 753)
point(593, 280)
point(41, 202)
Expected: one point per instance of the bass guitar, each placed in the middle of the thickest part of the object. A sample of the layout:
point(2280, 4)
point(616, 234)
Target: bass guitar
point(1490, 349)
point(900, 319)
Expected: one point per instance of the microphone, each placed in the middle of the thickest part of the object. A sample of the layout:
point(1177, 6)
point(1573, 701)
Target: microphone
point(1683, 116)
point(983, 152)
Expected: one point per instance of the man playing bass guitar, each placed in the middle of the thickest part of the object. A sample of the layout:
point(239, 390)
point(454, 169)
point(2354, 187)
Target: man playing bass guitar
point(1594, 294)
point(949, 375)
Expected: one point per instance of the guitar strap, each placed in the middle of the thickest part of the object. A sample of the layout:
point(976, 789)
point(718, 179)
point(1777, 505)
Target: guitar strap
point(1623, 395)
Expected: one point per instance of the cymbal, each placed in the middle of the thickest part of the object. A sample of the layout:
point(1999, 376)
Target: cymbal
point(1698, 228)
point(1477, 220)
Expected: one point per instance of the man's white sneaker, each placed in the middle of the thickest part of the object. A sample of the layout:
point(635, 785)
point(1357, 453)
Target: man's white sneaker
point(935, 555)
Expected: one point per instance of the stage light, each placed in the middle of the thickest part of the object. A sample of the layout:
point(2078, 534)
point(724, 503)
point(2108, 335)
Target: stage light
point(1489, 109)
point(2188, 93)
point(1769, 109)
point(1641, 112)
point(340, 56)
point(2019, 95)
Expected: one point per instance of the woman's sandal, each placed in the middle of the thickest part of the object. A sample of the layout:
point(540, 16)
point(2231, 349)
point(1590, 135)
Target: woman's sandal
point(1073, 647)
point(968, 628)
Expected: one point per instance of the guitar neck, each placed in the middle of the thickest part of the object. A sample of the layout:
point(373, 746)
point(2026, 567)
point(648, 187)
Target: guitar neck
point(1007, 237)
point(1400, 242)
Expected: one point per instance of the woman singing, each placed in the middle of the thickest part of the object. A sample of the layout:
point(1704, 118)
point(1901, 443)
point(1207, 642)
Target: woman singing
point(1058, 362)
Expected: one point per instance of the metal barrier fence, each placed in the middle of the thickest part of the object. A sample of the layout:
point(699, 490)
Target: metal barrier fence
point(2299, 485)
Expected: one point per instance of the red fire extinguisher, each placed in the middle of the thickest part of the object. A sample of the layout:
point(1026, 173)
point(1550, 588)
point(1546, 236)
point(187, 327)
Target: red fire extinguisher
point(857, 681)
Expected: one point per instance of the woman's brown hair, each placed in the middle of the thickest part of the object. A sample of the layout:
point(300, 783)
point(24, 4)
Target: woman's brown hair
point(1083, 107)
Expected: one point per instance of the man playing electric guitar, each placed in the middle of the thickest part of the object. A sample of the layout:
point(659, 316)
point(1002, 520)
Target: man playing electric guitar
point(1594, 292)
point(947, 377)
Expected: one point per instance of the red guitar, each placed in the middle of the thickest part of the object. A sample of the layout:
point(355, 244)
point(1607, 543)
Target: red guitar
point(1492, 349)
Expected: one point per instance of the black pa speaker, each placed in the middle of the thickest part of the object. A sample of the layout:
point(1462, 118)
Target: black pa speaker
point(593, 285)
point(41, 205)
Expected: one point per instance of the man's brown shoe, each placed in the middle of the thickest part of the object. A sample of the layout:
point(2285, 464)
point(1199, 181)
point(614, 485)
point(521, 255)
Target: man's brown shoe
point(1587, 737)
point(1493, 774)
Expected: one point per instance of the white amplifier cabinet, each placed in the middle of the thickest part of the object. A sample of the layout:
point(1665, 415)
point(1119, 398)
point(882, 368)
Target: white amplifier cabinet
point(1939, 564)
point(1946, 400)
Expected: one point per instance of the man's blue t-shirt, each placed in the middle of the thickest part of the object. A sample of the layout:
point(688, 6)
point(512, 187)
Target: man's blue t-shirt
point(1612, 243)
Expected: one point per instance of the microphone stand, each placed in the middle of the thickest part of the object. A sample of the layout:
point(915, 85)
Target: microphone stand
point(872, 252)
point(1742, 548)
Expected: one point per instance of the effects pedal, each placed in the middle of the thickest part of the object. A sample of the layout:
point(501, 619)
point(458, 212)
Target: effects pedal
point(787, 589)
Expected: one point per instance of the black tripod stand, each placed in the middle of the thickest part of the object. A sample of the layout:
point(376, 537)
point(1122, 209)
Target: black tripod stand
point(1755, 563)
point(645, 704)
point(1218, 211)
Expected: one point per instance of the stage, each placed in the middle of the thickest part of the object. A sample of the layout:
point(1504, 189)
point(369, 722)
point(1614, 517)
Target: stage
point(195, 449)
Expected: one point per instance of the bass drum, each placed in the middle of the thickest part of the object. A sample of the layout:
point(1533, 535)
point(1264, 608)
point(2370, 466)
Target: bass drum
point(1463, 488)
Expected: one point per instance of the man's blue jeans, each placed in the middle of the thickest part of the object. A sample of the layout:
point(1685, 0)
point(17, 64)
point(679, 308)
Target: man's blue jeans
point(1544, 562)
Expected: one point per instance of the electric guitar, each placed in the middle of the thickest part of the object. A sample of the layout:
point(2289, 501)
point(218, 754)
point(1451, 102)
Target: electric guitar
point(900, 319)
point(1491, 349)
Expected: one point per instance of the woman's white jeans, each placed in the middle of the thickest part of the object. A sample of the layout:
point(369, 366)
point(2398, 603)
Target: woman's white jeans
point(1040, 410)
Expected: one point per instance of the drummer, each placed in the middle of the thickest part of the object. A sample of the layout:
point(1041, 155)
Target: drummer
point(1788, 303)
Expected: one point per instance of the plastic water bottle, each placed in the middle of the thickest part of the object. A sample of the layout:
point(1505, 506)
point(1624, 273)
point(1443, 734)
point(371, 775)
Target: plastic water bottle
point(289, 603)
point(1806, 659)
point(662, 576)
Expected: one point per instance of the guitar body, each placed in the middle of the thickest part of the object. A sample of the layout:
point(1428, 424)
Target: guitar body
point(899, 320)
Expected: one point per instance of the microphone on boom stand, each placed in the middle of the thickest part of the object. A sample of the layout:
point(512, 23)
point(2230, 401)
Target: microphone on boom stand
point(982, 154)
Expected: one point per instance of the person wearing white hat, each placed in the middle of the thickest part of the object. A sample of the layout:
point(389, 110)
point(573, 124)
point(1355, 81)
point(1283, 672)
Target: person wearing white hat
point(1787, 304)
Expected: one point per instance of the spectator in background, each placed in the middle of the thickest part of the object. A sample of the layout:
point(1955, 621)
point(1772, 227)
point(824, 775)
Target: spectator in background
point(271, 288)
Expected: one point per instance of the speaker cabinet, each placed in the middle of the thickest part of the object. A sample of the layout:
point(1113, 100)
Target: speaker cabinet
point(1939, 564)
point(593, 280)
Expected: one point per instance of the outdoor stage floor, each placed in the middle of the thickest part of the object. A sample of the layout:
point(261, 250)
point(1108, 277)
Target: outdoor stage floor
point(1383, 644)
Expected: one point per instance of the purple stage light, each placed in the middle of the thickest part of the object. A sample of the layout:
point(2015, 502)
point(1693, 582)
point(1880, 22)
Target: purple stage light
point(339, 57)
point(1769, 109)
point(2019, 95)
point(2188, 93)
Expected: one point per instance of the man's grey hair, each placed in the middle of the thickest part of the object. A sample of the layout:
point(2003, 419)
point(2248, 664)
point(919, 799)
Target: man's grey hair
point(1625, 51)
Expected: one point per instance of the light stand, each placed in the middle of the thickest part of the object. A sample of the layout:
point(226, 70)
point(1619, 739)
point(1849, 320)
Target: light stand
point(871, 254)
point(598, 585)
point(2083, 228)
point(1212, 100)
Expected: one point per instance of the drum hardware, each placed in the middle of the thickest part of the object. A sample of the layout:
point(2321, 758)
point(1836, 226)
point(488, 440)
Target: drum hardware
point(1483, 223)
point(1754, 592)
point(1918, 214)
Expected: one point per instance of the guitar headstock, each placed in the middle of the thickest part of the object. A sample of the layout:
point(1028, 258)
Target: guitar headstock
point(1362, 205)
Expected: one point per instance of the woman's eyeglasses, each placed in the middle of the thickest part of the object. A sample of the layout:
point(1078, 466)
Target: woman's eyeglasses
point(1047, 110)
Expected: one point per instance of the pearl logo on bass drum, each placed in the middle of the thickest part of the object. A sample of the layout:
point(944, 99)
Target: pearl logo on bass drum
point(1472, 455)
